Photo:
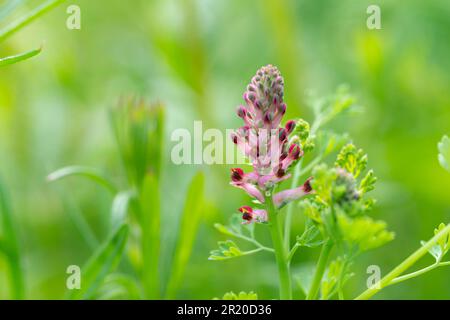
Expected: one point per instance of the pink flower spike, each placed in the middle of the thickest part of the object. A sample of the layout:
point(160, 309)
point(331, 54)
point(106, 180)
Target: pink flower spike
point(282, 198)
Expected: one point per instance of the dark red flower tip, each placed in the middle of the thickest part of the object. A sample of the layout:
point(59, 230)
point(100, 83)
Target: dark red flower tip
point(247, 213)
point(234, 137)
point(290, 126)
point(241, 111)
point(307, 185)
point(279, 171)
point(251, 96)
point(282, 108)
point(268, 117)
point(237, 174)
point(282, 134)
point(295, 151)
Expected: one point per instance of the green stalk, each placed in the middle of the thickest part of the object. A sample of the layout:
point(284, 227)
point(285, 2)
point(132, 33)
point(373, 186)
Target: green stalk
point(281, 253)
point(290, 207)
point(321, 266)
point(402, 267)
point(33, 15)
point(150, 214)
point(11, 246)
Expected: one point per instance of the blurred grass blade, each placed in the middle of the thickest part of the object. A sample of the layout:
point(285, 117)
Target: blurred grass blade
point(9, 7)
point(90, 173)
point(20, 57)
point(189, 225)
point(81, 224)
point(444, 153)
point(102, 263)
point(22, 22)
point(120, 207)
point(10, 246)
point(151, 235)
point(117, 286)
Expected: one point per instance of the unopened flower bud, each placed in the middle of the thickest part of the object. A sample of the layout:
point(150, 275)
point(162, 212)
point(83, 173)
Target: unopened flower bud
point(290, 126)
point(294, 151)
point(241, 111)
point(282, 134)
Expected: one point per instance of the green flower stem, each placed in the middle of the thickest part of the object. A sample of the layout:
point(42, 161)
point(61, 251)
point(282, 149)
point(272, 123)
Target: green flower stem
point(290, 207)
point(280, 251)
point(320, 270)
point(292, 252)
point(402, 267)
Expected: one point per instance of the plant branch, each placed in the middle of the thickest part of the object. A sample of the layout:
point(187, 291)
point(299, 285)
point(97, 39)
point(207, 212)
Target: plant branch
point(406, 264)
point(417, 273)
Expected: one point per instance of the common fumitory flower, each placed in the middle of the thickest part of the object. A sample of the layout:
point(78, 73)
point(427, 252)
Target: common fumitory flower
point(250, 215)
point(265, 142)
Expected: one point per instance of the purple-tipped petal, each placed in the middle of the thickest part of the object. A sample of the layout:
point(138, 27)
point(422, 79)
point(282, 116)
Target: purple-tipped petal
point(252, 190)
point(282, 198)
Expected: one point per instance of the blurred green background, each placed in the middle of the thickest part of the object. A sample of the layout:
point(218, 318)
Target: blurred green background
point(196, 57)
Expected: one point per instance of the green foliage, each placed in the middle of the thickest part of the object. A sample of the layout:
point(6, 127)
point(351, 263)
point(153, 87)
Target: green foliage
point(364, 232)
point(139, 132)
point(120, 205)
point(329, 142)
point(312, 209)
point(304, 276)
point(119, 286)
point(28, 18)
point(444, 242)
point(323, 183)
point(241, 296)
point(10, 246)
point(309, 238)
point(102, 262)
point(328, 108)
point(227, 250)
point(302, 134)
point(338, 187)
point(441, 248)
point(150, 223)
point(235, 228)
point(444, 152)
point(87, 172)
point(335, 278)
point(19, 57)
point(352, 160)
point(21, 23)
point(190, 221)
point(367, 183)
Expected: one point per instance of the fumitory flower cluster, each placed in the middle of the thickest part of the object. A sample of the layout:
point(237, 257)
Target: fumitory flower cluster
point(266, 144)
